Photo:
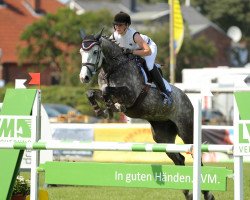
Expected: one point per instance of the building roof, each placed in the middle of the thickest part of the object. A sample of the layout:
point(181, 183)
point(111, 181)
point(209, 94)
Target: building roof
point(196, 21)
point(149, 12)
point(119, 5)
point(15, 16)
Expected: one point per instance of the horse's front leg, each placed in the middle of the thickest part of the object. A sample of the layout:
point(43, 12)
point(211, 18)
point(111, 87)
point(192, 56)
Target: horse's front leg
point(110, 107)
point(107, 92)
point(92, 96)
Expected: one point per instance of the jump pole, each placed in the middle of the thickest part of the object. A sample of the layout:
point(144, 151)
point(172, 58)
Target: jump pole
point(113, 146)
point(35, 155)
point(197, 149)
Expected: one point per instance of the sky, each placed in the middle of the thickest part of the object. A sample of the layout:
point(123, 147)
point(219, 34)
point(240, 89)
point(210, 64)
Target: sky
point(64, 1)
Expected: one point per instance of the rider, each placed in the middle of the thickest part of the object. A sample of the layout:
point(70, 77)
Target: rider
point(135, 43)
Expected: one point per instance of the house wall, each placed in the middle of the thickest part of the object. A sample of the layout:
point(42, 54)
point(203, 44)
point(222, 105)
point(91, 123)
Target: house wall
point(222, 44)
point(11, 72)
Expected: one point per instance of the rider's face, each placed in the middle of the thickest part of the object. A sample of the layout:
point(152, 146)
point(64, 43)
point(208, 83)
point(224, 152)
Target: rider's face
point(120, 28)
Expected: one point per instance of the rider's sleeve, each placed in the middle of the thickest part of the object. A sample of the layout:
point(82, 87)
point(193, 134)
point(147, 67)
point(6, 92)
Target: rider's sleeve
point(147, 39)
point(134, 36)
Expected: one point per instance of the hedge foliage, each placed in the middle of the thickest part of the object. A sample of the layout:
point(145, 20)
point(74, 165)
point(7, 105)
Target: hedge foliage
point(72, 96)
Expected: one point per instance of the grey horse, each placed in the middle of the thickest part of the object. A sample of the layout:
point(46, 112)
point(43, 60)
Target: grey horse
point(121, 83)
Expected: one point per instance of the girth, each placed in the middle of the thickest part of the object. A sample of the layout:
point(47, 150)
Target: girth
point(141, 96)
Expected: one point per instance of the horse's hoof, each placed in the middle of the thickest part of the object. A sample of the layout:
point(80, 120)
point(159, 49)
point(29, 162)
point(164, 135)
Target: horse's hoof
point(209, 196)
point(189, 196)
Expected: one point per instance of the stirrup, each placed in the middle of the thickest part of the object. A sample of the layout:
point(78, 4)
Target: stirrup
point(167, 100)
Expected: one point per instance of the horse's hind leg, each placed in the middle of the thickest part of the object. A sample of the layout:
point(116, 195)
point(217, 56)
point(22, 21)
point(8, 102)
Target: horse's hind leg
point(188, 139)
point(165, 132)
point(207, 195)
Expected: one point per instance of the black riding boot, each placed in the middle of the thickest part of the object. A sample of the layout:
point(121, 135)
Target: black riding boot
point(157, 78)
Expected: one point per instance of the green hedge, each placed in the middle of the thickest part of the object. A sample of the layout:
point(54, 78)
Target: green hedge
point(72, 96)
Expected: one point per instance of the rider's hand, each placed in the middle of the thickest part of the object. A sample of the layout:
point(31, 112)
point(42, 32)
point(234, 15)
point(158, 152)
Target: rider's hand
point(127, 51)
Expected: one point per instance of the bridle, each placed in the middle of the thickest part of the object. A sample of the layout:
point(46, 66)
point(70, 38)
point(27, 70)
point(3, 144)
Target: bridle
point(86, 46)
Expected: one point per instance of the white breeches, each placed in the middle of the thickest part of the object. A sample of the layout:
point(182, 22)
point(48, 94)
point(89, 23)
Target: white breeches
point(150, 60)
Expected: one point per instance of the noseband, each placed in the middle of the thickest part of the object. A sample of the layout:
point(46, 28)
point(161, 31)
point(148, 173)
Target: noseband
point(87, 45)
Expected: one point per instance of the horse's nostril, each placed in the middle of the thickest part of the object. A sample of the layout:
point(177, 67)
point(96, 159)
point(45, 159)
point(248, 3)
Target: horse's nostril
point(86, 78)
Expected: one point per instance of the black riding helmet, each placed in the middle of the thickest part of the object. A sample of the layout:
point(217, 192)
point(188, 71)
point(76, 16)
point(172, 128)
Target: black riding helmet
point(121, 18)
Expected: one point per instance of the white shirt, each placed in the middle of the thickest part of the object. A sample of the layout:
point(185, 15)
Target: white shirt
point(126, 40)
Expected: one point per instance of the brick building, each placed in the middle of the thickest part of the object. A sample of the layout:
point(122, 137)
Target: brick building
point(200, 26)
point(15, 16)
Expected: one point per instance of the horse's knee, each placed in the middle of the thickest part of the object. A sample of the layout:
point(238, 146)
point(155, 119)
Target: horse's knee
point(106, 91)
point(90, 94)
point(91, 99)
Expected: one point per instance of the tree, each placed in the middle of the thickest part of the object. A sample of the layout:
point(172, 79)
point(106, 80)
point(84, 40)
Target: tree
point(226, 13)
point(54, 41)
point(193, 53)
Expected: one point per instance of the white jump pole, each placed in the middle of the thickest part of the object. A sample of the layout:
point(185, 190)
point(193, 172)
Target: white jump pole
point(238, 161)
point(35, 155)
point(197, 149)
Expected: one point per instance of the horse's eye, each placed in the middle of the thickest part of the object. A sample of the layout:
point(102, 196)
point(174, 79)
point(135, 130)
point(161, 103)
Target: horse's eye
point(95, 52)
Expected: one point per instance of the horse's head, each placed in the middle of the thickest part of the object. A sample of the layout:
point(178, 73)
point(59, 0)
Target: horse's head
point(92, 56)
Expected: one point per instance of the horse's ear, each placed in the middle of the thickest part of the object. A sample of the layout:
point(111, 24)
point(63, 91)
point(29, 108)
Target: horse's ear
point(98, 35)
point(82, 33)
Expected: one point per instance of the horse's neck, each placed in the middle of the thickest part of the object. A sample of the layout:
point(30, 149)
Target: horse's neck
point(117, 64)
point(110, 67)
point(105, 66)
point(123, 73)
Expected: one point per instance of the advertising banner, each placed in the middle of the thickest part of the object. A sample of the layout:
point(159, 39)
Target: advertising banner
point(242, 124)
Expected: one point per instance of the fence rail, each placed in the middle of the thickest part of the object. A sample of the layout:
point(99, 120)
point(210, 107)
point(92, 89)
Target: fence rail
point(112, 146)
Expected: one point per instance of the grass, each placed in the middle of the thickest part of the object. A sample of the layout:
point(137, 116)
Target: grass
point(118, 193)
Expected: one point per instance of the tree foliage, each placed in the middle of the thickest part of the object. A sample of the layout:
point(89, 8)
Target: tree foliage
point(54, 40)
point(193, 53)
point(226, 13)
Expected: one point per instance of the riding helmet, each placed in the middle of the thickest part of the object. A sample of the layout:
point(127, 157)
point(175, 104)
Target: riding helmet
point(122, 17)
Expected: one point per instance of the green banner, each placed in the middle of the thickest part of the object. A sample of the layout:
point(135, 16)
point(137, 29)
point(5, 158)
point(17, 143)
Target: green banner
point(133, 175)
point(16, 102)
point(242, 140)
point(242, 99)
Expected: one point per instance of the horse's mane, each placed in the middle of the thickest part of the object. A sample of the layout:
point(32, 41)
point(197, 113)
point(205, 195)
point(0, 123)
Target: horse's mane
point(116, 44)
point(111, 47)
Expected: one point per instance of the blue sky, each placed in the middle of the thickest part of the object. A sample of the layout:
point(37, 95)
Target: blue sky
point(63, 1)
